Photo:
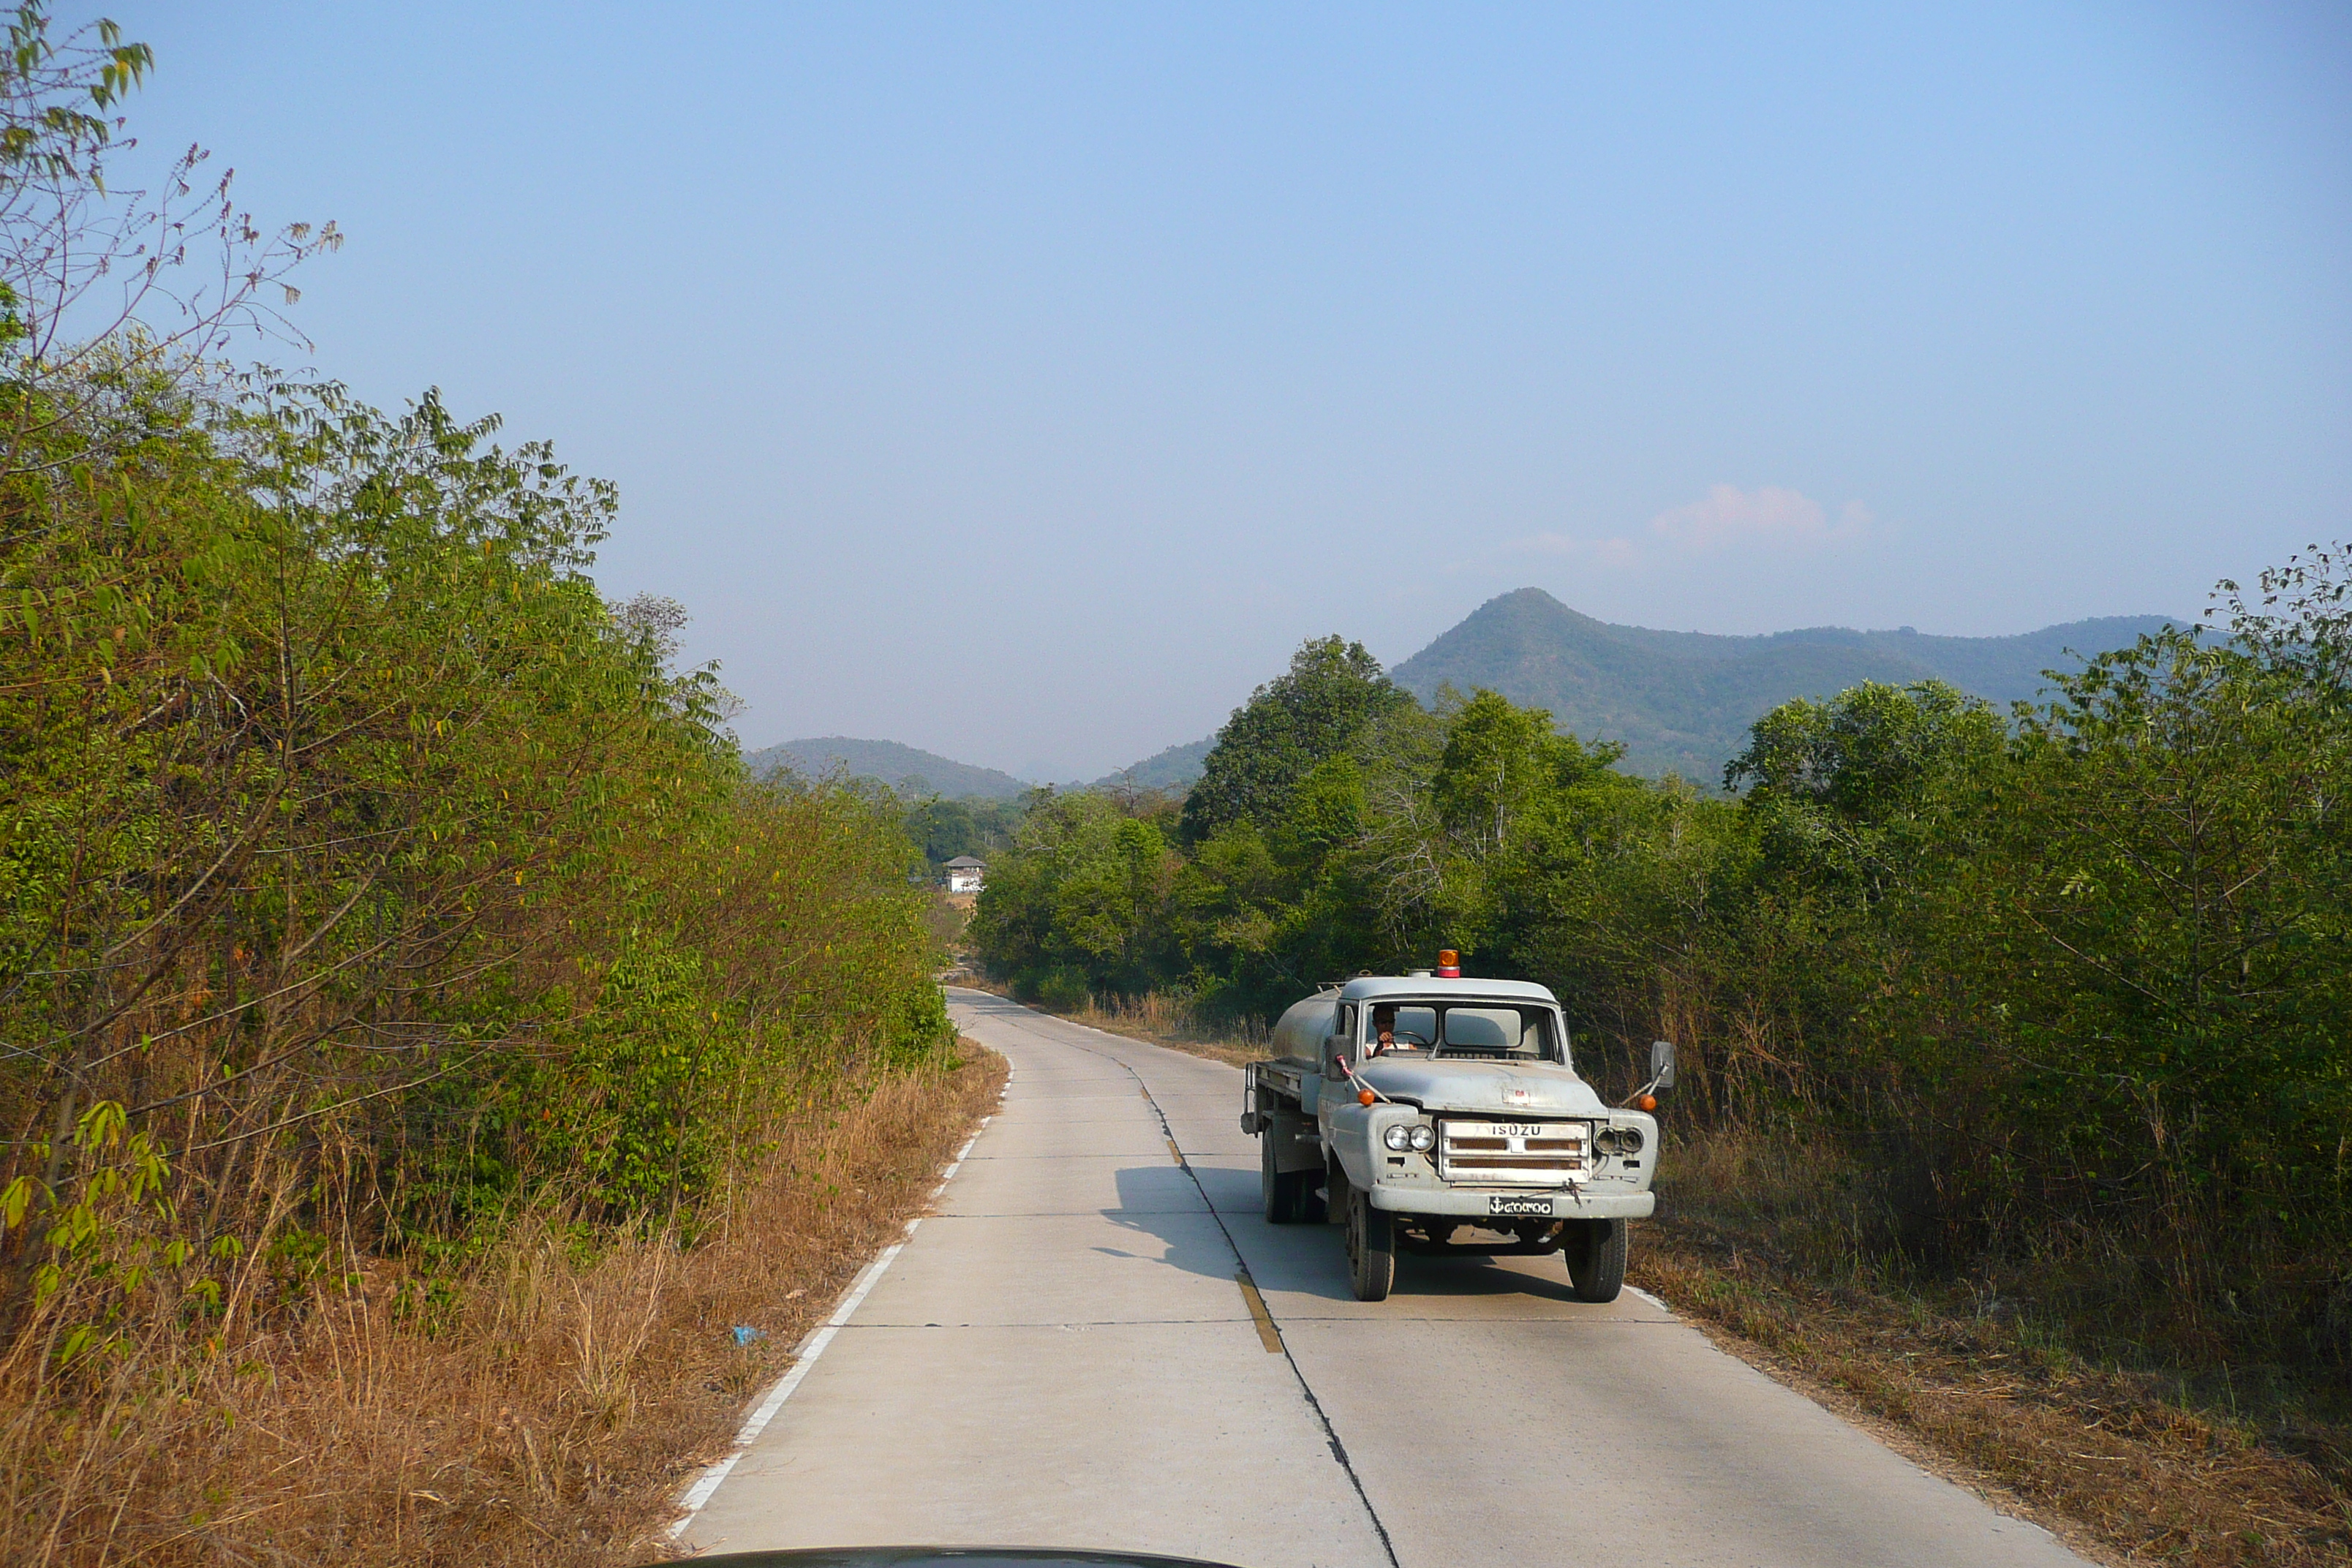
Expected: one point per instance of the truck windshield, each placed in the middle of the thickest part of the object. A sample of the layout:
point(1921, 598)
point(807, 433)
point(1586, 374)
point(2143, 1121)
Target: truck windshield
point(1522, 1032)
point(1490, 1030)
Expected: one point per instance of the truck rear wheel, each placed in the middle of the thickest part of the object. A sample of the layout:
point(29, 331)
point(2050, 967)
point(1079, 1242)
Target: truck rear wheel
point(1596, 1259)
point(1285, 1191)
point(1372, 1248)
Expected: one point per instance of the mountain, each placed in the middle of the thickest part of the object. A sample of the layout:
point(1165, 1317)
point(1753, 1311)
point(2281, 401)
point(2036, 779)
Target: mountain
point(1680, 702)
point(891, 763)
point(1174, 768)
point(1683, 701)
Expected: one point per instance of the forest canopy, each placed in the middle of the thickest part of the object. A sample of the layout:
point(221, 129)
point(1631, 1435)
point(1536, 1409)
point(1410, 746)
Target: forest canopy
point(2071, 980)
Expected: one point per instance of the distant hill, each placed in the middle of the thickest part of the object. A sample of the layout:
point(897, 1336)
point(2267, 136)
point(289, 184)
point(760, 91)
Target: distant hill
point(1680, 702)
point(1175, 768)
point(891, 763)
point(1683, 701)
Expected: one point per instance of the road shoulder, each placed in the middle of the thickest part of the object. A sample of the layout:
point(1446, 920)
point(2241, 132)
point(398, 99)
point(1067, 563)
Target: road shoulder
point(2116, 1474)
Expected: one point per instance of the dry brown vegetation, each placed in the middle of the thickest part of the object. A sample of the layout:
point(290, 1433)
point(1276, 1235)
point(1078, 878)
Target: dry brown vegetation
point(1170, 1020)
point(945, 915)
point(544, 1407)
point(1979, 1378)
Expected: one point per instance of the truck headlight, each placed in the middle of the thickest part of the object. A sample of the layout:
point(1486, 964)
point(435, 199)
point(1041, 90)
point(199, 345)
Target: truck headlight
point(1398, 1138)
point(1424, 1137)
point(1618, 1141)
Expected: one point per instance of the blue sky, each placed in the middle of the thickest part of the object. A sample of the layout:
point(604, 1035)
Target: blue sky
point(1024, 382)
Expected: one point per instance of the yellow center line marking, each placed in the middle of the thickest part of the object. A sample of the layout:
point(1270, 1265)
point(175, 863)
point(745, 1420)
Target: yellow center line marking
point(1267, 1334)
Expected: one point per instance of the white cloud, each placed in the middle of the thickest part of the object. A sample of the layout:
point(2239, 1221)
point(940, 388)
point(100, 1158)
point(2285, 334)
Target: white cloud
point(1768, 516)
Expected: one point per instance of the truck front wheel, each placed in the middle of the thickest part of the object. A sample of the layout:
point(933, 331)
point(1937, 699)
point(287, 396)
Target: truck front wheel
point(1596, 1259)
point(1371, 1247)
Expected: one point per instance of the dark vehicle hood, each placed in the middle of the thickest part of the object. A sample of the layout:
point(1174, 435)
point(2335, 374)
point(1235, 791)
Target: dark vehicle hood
point(936, 1557)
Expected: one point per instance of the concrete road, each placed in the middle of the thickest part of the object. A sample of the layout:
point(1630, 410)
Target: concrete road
point(1062, 1355)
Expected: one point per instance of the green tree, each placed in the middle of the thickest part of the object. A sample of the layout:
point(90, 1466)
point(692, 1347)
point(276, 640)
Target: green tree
point(2161, 919)
point(1848, 790)
point(1499, 760)
point(943, 829)
point(106, 292)
point(1312, 712)
point(1079, 904)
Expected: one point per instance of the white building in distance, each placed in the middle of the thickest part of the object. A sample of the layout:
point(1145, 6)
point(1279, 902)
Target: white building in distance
point(964, 874)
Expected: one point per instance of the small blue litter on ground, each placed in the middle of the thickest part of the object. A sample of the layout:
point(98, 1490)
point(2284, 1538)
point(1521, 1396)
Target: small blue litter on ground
point(745, 1333)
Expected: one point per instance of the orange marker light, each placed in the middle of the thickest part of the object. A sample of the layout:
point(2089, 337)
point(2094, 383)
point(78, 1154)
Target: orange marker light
point(1648, 1103)
point(1365, 1097)
point(1449, 963)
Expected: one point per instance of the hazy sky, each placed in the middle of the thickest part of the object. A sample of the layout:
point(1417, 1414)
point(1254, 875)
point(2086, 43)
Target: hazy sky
point(1024, 383)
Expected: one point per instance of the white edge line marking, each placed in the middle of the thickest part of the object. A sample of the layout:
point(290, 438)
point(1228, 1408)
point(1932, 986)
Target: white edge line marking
point(805, 1357)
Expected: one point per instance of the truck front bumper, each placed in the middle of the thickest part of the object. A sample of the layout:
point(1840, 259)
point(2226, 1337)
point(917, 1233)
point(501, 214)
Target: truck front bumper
point(1472, 1203)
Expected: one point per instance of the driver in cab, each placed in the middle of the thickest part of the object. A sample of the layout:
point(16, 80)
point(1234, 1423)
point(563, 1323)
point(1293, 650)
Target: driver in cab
point(1384, 1035)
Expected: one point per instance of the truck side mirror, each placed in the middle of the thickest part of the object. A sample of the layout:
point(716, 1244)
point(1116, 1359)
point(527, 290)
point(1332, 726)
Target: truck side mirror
point(1662, 1064)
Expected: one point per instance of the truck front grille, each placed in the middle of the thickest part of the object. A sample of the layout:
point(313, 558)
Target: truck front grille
point(1514, 1154)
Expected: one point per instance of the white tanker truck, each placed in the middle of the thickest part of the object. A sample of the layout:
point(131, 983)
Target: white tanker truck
point(1409, 1107)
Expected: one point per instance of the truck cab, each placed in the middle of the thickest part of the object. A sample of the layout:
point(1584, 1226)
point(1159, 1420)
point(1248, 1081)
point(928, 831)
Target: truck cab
point(1414, 1108)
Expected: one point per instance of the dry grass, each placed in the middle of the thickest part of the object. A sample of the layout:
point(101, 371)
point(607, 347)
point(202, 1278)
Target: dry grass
point(545, 1410)
point(1166, 1021)
point(2128, 1464)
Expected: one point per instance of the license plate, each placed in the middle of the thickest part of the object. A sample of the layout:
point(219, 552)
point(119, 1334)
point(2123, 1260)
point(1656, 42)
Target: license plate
point(1519, 1205)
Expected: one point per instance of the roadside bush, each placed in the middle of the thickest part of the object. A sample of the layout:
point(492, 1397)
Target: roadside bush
point(370, 885)
point(1060, 988)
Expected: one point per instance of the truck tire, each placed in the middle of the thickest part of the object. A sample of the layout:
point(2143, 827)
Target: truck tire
point(1596, 1260)
point(1372, 1248)
point(1284, 1192)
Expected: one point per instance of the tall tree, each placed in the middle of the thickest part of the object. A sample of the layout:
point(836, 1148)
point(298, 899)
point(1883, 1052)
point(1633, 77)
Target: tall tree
point(1333, 689)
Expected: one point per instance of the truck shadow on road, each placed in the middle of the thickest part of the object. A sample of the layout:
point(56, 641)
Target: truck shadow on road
point(1161, 1202)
